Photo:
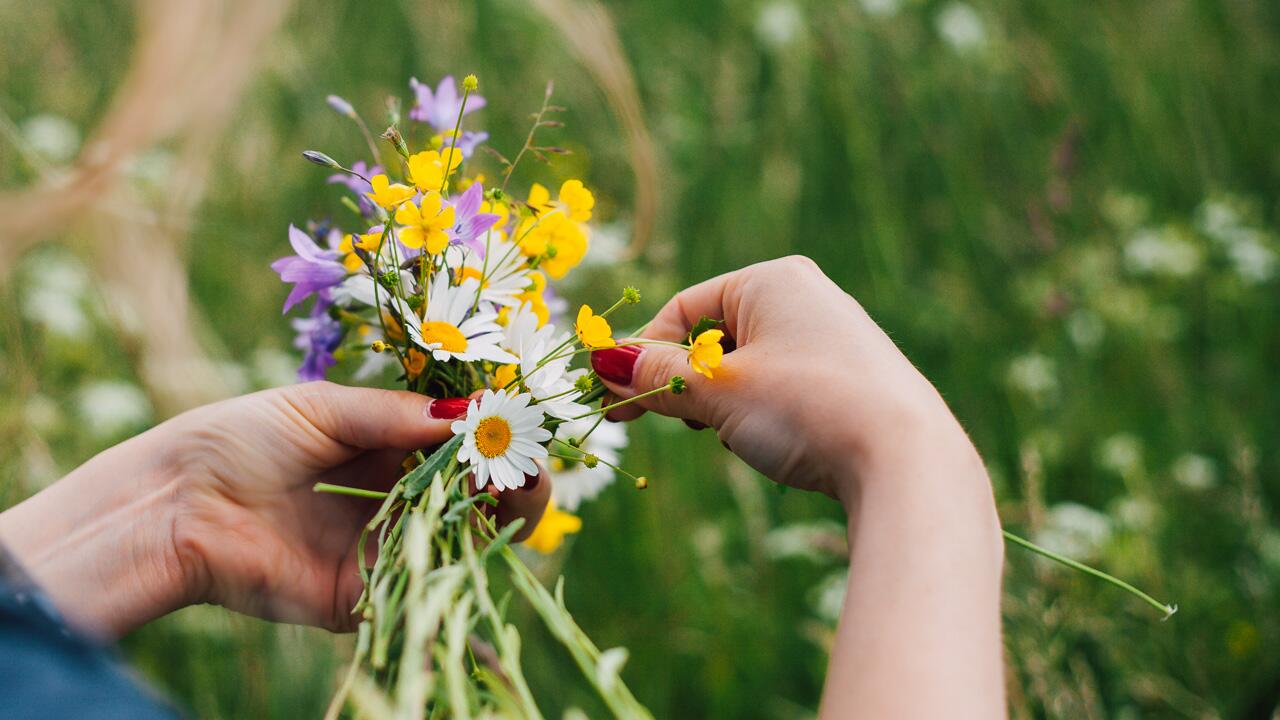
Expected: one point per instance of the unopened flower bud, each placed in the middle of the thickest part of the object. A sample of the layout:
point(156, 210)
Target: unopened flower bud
point(574, 442)
point(583, 384)
point(340, 106)
point(590, 460)
point(677, 385)
point(379, 347)
point(393, 136)
point(470, 83)
point(551, 251)
point(642, 482)
point(319, 158)
point(630, 295)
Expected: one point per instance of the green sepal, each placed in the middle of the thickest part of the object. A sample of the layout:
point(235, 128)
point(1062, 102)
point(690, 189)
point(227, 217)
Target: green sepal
point(704, 324)
point(420, 477)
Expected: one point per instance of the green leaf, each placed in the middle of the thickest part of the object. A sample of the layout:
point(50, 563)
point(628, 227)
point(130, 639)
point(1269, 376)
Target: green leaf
point(458, 509)
point(420, 477)
point(503, 539)
point(704, 324)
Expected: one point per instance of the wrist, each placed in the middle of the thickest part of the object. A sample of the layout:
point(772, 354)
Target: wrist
point(99, 541)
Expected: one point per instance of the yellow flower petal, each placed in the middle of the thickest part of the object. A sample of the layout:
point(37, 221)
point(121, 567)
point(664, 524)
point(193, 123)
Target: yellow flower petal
point(551, 529)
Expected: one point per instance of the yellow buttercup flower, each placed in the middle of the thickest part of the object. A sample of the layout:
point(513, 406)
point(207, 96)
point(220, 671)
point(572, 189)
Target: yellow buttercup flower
point(706, 352)
point(387, 194)
point(504, 376)
point(533, 295)
point(368, 242)
point(425, 226)
point(414, 363)
point(550, 532)
point(593, 330)
point(539, 198)
point(427, 168)
point(561, 242)
point(577, 200)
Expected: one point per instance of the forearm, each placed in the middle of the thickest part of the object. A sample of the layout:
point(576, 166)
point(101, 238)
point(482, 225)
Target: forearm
point(920, 631)
point(98, 541)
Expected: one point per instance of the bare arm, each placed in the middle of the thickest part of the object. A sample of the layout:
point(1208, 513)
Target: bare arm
point(816, 396)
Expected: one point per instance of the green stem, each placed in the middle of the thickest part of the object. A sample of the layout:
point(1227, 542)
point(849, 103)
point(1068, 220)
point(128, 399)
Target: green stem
point(1168, 610)
point(344, 490)
point(628, 401)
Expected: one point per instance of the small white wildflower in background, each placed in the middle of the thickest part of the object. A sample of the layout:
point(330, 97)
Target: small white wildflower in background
point(110, 408)
point(41, 414)
point(817, 541)
point(1269, 548)
point(54, 294)
point(827, 597)
point(1136, 513)
point(882, 8)
point(608, 244)
point(1086, 329)
point(1254, 261)
point(274, 368)
point(1121, 454)
point(1035, 376)
point(1250, 250)
point(1125, 211)
point(1074, 530)
point(961, 27)
point(152, 170)
point(54, 137)
point(574, 482)
point(1165, 252)
point(1195, 472)
point(779, 23)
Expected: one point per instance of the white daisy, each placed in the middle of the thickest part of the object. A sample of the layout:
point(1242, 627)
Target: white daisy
point(574, 482)
point(552, 383)
point(502, 433)
point(450, 330)
point(505, 273)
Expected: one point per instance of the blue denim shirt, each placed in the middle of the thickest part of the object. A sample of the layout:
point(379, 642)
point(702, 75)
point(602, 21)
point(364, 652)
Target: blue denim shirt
point(49, 671)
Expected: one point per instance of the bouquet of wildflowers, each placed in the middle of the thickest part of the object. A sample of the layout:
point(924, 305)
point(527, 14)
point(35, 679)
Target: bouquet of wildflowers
point(445, 282)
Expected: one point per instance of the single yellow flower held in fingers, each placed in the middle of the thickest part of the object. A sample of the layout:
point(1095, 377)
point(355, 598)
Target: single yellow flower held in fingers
point(593, 330)
point(550, 532)
point(706, 352)
point(387, 194)
point(425, 226)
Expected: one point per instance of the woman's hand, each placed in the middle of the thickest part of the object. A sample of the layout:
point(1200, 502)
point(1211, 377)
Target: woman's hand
point(813, 394)
point(816, 396)
point(216, 505)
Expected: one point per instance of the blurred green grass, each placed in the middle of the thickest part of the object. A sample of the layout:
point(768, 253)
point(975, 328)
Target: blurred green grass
point(1055, 209)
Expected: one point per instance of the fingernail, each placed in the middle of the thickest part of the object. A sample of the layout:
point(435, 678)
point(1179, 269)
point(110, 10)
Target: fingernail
point(617, 365)
point(448, 408)
point(531, 481)
point(695, 425)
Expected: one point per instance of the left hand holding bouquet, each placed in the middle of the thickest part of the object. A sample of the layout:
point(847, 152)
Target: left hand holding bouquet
point(217, 506)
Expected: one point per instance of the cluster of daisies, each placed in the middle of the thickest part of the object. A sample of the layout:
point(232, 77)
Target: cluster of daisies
point(446, 282)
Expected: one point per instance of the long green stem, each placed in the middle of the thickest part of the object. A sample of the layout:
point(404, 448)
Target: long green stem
point(1168, 610)
point(344, 490)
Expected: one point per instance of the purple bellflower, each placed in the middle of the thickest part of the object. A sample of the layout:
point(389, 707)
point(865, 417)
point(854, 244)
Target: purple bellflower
point(313, 269)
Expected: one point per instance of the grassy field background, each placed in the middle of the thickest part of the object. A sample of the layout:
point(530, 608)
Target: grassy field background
point(1065, 213)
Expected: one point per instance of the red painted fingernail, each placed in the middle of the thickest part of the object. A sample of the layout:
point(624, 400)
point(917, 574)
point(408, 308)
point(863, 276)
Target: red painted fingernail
point(616, 364)
point(531, 481)
point(448, 408)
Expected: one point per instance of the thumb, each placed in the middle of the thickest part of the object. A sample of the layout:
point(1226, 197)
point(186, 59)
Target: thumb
point(365, 418)
point(631, 370)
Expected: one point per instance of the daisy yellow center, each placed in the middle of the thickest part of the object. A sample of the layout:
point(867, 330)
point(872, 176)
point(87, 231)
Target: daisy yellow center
point(449, 336)
point(493, 436)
